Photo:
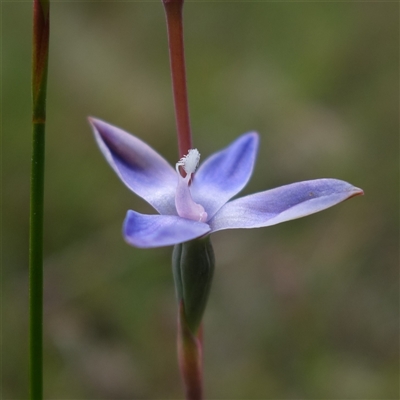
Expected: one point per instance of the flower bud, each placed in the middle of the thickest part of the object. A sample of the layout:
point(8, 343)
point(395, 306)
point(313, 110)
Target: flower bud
point(193, 268)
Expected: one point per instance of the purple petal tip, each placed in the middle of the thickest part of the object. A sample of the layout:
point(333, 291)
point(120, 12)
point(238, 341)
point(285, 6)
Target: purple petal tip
point(355, 191)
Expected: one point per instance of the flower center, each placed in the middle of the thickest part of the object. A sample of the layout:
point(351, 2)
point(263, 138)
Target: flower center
point(185, 206)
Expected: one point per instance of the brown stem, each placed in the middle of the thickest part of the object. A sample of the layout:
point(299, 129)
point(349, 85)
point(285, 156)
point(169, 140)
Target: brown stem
point(190, 356)
point(41, 31)
point(173, 11)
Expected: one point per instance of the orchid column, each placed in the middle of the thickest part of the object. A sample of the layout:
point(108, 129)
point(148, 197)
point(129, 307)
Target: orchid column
point(193, 261)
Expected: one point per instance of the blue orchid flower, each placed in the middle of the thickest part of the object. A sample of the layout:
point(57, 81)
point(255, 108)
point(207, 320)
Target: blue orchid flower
point(191, 205)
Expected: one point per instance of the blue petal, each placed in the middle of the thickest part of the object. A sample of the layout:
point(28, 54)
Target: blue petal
point(225, 173)
point(140, 167)
point(160, 230)
point(282, 204)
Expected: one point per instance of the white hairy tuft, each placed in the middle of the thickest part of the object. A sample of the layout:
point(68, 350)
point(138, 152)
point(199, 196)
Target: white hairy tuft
point(190, 162)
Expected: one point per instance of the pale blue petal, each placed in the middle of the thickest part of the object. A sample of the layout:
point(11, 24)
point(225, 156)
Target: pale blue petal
point(282, 204)
point(140, 167)
point(224, 174)
point(160, 230)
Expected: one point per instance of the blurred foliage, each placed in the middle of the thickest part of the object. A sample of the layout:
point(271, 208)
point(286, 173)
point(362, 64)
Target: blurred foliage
point(306, 309)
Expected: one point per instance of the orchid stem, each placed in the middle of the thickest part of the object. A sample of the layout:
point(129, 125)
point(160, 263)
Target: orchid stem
point(39, 83)
point(190, 355)
point(173, 11)
point(189, 344)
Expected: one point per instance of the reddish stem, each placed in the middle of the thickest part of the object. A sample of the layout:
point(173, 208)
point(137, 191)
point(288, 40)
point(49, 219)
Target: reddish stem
point(190, 356)
point(39, 82)
point(41, 31)
point(173, 11)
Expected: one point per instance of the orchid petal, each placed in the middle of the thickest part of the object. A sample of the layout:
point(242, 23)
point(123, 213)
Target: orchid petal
point(282, 204)
point(225, 173)
point(141, 168)
point(160, 230)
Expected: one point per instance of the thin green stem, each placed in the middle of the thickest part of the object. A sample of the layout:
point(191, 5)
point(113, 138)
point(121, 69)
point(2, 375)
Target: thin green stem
point(173, 11)
point(39, 84)
point(36, 262)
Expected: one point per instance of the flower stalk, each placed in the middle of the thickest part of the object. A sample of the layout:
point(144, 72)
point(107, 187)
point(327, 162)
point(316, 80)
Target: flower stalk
point(173, 12)
point(39, 84)
point(190, 357)
point(192, 289)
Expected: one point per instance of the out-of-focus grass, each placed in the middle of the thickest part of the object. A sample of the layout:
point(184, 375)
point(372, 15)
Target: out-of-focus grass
point(307, 309)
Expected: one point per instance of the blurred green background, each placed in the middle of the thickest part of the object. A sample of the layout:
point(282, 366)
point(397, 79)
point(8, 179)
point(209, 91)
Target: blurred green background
point(308, 309)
